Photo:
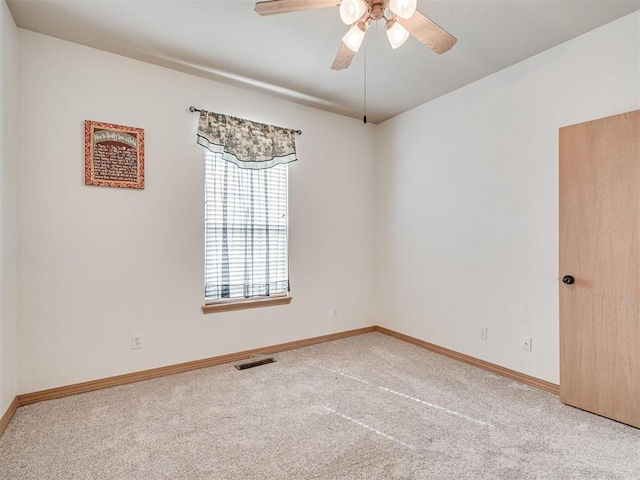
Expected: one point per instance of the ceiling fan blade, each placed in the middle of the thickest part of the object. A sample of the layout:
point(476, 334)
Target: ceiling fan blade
point(432, 35)
point(343, 58)
point(285, 6)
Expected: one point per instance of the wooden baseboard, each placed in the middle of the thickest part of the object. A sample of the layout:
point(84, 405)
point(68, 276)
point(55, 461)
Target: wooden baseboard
point(491, 367)
point(8, 415)
point(84, 387)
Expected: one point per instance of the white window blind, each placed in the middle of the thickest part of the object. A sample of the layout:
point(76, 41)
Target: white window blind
point(245, 230)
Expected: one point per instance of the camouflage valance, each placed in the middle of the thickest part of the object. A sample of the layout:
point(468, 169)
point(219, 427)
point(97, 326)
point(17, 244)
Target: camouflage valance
point(243, 142)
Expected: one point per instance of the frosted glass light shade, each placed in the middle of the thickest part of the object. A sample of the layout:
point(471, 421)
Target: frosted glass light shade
point(397, 35)
point(353, 38)
point(351, 10)
point(403, 8)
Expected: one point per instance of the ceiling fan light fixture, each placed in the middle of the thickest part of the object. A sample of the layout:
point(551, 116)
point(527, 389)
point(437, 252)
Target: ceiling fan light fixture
point(403, 8)
point(353, 38)
point(352, 10)
point(396, 34)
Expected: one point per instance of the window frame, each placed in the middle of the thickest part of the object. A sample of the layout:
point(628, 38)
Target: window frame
point(246, 303)
point(256, 301)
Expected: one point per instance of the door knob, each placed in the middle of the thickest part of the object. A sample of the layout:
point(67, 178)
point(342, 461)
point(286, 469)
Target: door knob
point(568, 280)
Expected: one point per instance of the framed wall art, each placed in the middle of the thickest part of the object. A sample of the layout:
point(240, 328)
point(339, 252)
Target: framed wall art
point(113, 155)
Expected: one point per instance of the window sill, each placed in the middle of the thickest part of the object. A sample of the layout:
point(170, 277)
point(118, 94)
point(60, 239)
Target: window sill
point(245, 304)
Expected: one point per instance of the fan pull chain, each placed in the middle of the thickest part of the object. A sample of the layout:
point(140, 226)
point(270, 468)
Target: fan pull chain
point(365, 82)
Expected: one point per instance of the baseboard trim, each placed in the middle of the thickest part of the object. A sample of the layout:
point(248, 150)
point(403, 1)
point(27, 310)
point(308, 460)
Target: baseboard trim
point(491, 367)
point(84, 387)
point(90, 386)
point(8, 415)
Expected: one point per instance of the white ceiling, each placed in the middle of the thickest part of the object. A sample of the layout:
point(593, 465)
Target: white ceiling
point(290, 55)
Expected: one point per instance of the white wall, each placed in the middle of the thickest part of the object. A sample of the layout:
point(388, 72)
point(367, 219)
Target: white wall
point(465, 213)
point(8, 208)
point(467, 195)
point(100, 264)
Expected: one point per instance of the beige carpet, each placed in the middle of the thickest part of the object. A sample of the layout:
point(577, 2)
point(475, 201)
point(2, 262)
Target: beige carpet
point(367, 407)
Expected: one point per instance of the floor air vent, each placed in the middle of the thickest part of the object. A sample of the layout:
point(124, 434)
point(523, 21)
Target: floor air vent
point(253, 362)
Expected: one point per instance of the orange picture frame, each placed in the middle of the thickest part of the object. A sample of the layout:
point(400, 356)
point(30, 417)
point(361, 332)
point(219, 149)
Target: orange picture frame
point(113, 155)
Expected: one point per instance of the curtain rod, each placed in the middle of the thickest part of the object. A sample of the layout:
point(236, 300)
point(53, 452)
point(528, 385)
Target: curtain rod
point(193, 109)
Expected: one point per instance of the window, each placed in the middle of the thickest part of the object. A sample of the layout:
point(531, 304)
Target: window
point(246, 254)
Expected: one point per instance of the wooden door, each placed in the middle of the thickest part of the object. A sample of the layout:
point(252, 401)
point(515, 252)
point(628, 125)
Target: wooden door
point(600, 248)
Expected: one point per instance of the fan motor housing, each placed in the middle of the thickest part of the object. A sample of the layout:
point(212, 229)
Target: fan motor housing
point(377, 8)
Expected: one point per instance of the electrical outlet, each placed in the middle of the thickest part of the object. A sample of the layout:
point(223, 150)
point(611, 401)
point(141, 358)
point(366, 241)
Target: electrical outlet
point(525, 343)
point(335, 311)
point(136, 341)
point(483, 333)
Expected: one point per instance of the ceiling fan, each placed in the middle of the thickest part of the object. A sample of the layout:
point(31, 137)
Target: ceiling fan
point(402, 19)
